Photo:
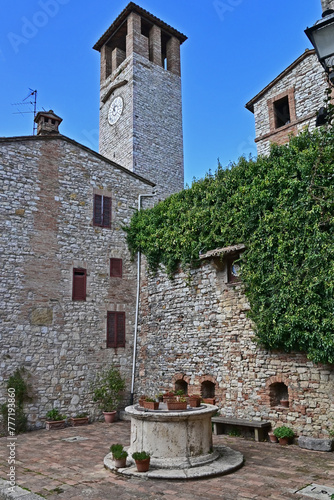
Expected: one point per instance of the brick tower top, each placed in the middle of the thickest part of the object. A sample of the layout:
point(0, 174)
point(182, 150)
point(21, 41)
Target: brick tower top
point(140, 97)
point(129, 39)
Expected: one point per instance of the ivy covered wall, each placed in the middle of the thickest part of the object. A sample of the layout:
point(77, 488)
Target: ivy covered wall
point(282, 208)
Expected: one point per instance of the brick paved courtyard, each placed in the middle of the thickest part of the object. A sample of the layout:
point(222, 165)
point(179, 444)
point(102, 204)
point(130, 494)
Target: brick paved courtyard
point(59, 470)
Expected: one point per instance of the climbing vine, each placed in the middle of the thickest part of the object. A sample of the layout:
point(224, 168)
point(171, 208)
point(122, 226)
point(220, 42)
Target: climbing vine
point(282, 208)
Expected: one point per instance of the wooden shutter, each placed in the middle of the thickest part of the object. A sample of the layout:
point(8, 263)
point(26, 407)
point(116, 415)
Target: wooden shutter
point(116, 268)
point(97, 216)
point(120, 329)
point(102, 211)
point(79, 284)
point(106, 211)
point(116, 329)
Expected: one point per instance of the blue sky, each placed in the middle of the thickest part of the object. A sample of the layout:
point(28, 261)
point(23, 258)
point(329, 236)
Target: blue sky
point(234, 49)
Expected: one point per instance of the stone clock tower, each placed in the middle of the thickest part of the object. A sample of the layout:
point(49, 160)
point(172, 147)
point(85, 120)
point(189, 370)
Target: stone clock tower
point(140, 101)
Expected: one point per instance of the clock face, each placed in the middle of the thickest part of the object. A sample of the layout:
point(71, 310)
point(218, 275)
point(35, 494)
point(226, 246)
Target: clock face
point(115, 110)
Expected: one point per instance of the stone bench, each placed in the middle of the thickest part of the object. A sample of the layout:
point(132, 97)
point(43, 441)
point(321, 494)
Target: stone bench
point(260, 427)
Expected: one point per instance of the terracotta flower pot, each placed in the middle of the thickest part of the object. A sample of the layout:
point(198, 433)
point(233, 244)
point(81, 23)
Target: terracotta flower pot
point(194, 402)
point(120, 463)
point(143, 465)
point(283, 441)
point(272, 437)
point(109, 416)
point(151, 405)
point(76, 422)
point(209, 401)
point(176, 405)
point(168, 398)
point(54, 424)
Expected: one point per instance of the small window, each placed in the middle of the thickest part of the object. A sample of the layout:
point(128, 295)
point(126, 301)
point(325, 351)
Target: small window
point(116, 329)
point(79, 284)
point(282, 112)
point(233, 269)
point(115, 268)
point(102, 211)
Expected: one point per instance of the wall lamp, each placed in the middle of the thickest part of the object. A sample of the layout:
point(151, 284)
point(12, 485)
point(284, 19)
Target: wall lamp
point(321, 35)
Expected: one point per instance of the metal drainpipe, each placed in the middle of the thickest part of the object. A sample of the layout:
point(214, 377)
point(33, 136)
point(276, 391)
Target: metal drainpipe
point(137, 309)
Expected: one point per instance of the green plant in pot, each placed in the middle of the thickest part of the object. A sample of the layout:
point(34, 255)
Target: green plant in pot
point(284, 434)
point(142, 459)
point(54, 420)
point(54, 415)
point(114, 448)
point(151, 404)
point(108, 392)
point(120, 457)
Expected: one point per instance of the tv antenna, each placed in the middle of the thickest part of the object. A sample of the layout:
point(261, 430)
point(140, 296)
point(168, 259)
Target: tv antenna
point(30, 100)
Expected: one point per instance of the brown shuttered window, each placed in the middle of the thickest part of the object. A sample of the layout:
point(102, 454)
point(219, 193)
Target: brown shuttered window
point(115, 268)
point(116, 329)
point(102, 211)
point(79, 284)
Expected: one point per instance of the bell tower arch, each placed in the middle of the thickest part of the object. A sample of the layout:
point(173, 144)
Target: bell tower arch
point(140, 98)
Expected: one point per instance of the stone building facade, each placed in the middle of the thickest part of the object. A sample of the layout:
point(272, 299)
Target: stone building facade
point(68, 283)
point(195, 335)
point(50, 239)
point(290, 103)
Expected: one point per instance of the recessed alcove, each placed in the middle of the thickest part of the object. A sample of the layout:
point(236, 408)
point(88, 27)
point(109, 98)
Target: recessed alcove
point(181, 385)
point(207, 389)
point(278, 391)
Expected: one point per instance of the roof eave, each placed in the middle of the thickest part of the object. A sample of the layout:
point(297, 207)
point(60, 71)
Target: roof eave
point(132, 7)
point(250, 104)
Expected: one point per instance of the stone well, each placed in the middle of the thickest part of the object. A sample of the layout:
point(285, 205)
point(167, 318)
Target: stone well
point(179, 442)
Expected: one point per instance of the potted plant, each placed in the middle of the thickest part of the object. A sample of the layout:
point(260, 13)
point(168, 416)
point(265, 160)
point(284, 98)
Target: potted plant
point(209, 401)
point(142, 459)
point(181, 404)
point(194, 400)
point(54, 420)
point(79, 419)
point(115, 448)
point(168, 395)
point(120, 457)
point(272, 437)
point(151, 404)
point(109, 386)
point(179, 394)
point(141, 400)
point(283, 434)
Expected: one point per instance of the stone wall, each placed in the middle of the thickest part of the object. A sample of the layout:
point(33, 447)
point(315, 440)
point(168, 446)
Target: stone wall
point(47, 192)
point(305, 80)
point(194, 328)
point(148, 137)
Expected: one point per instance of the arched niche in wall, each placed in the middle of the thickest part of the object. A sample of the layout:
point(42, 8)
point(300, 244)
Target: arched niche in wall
point(208, 389)
point(181, 385)
point(278, 394)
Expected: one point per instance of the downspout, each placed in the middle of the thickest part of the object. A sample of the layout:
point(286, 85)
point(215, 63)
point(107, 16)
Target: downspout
point(134, 356)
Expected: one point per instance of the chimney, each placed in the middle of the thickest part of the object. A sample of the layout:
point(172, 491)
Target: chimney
point(47, 122)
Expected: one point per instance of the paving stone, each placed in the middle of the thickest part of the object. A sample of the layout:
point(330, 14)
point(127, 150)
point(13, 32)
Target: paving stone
point(61, 470)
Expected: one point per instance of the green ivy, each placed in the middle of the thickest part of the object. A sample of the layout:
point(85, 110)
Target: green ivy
point(281, 208)
point(18, 383)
